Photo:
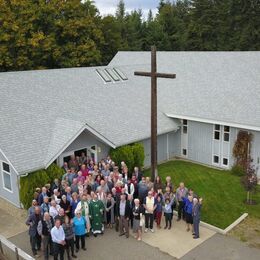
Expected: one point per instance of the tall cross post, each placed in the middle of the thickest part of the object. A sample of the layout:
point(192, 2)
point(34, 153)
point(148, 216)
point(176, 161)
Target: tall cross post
point(154, 75)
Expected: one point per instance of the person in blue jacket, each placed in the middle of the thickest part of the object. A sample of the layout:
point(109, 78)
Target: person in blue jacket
point(79, 224)
point(188, 205)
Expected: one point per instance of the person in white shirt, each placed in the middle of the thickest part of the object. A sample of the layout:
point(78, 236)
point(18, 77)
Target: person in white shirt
point(150, 206)
point(58, 239)
point(54, 209)
point(129, 188)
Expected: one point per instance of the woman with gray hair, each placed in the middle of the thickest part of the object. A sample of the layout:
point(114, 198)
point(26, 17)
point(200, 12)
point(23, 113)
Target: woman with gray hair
point(44, 230)
point(137, 213)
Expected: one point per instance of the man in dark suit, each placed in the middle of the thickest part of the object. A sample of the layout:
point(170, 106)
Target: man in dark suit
point(196, 216)
point(123, 213)
point(35, 239)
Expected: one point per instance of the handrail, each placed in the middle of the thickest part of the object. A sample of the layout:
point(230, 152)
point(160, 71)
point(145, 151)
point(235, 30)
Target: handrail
point(18, 251)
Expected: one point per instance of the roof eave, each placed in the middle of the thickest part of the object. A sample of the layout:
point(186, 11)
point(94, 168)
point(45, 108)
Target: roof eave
point(214, 121)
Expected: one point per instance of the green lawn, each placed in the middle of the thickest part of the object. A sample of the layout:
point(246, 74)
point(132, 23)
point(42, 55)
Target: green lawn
point(222, 192)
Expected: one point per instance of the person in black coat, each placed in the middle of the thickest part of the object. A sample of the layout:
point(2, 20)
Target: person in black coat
point(44, 230)
point(32, 221)
point(123, 213)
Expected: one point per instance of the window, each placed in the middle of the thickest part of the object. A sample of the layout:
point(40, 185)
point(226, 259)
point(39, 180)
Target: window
point(225, 161)
point(217, 132)
point(103, 74)
point(184, 152)
point(120, 74)
point(216, 159)
point(226, 133)
point(184, 126)
point(6, 177)
point(113, 75)
point(110, 75)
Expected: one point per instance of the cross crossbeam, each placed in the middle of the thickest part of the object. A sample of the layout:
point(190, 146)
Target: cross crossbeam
point(154, 75)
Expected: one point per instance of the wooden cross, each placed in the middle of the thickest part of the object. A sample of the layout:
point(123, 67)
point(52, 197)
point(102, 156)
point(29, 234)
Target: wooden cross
point(154, 75)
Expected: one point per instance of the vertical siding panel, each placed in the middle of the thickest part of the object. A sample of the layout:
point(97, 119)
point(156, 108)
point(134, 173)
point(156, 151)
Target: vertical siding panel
point(200, 137)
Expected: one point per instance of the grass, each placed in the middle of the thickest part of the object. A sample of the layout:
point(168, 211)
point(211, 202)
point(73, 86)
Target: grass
point(223, 195)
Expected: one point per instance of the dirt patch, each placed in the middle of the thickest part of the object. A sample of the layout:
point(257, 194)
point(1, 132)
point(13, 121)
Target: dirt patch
point(9, 208)
point(248, 231)
point(12, 219)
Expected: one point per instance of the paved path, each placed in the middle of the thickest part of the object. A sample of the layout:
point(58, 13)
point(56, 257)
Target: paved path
point(112, 247)
point(108, 247)
point(221, 247)
point(177, 242)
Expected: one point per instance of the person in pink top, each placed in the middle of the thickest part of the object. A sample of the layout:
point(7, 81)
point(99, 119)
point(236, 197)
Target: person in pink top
point(84, 170)
point(80, 177)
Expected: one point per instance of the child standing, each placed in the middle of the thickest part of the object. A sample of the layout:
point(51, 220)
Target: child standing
point(167, 209)
point(159, 210)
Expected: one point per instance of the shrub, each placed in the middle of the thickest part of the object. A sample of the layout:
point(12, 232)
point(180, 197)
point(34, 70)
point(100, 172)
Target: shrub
point(36, 179)
point(237, 170)
point(139, 156)
point(132, 155)
point(54, 172)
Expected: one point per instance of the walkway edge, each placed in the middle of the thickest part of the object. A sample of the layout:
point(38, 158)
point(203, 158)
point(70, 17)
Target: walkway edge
point(226, 230)
point(13, 248)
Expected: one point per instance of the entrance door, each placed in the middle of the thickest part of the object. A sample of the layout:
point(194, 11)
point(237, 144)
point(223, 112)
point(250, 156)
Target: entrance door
point(92, 153)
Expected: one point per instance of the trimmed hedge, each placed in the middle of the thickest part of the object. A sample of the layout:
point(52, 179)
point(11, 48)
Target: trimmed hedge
point(133, 155)
point(36, 179)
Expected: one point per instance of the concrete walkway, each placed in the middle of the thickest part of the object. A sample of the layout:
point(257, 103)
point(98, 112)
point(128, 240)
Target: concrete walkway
point(224, 248)
point(177, 241)
point(108, 247)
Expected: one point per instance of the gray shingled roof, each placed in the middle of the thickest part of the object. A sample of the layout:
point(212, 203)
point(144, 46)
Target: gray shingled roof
point(41, 111)
point(217, 86)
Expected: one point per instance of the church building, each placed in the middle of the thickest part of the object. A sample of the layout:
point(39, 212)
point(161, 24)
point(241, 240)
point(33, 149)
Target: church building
point(49, 115)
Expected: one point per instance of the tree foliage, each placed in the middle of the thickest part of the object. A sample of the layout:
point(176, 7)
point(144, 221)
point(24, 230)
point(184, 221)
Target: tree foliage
point(133, 155)
point(244, 162)
point(35, 180)
point(57, 33)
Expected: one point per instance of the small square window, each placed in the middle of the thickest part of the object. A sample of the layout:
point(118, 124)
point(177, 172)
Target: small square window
point(6, 167)
point(226, 128)
point(217, 127)
point(185, 129)
point(216, 135)
point(184, 151)
point(216, 159)
point(225, 161)
point(226, 137)
point(184, 122)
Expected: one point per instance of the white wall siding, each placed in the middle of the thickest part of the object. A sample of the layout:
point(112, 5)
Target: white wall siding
point(200, 136)
point(165, 150)
point(162, 148)
point(174, 143)
point(13, 196)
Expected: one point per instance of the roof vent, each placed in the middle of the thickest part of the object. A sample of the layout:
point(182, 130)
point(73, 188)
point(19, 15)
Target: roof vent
point(111, 75)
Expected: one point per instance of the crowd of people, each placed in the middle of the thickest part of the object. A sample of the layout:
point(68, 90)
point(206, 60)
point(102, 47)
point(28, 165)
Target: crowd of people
point(91, 197)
